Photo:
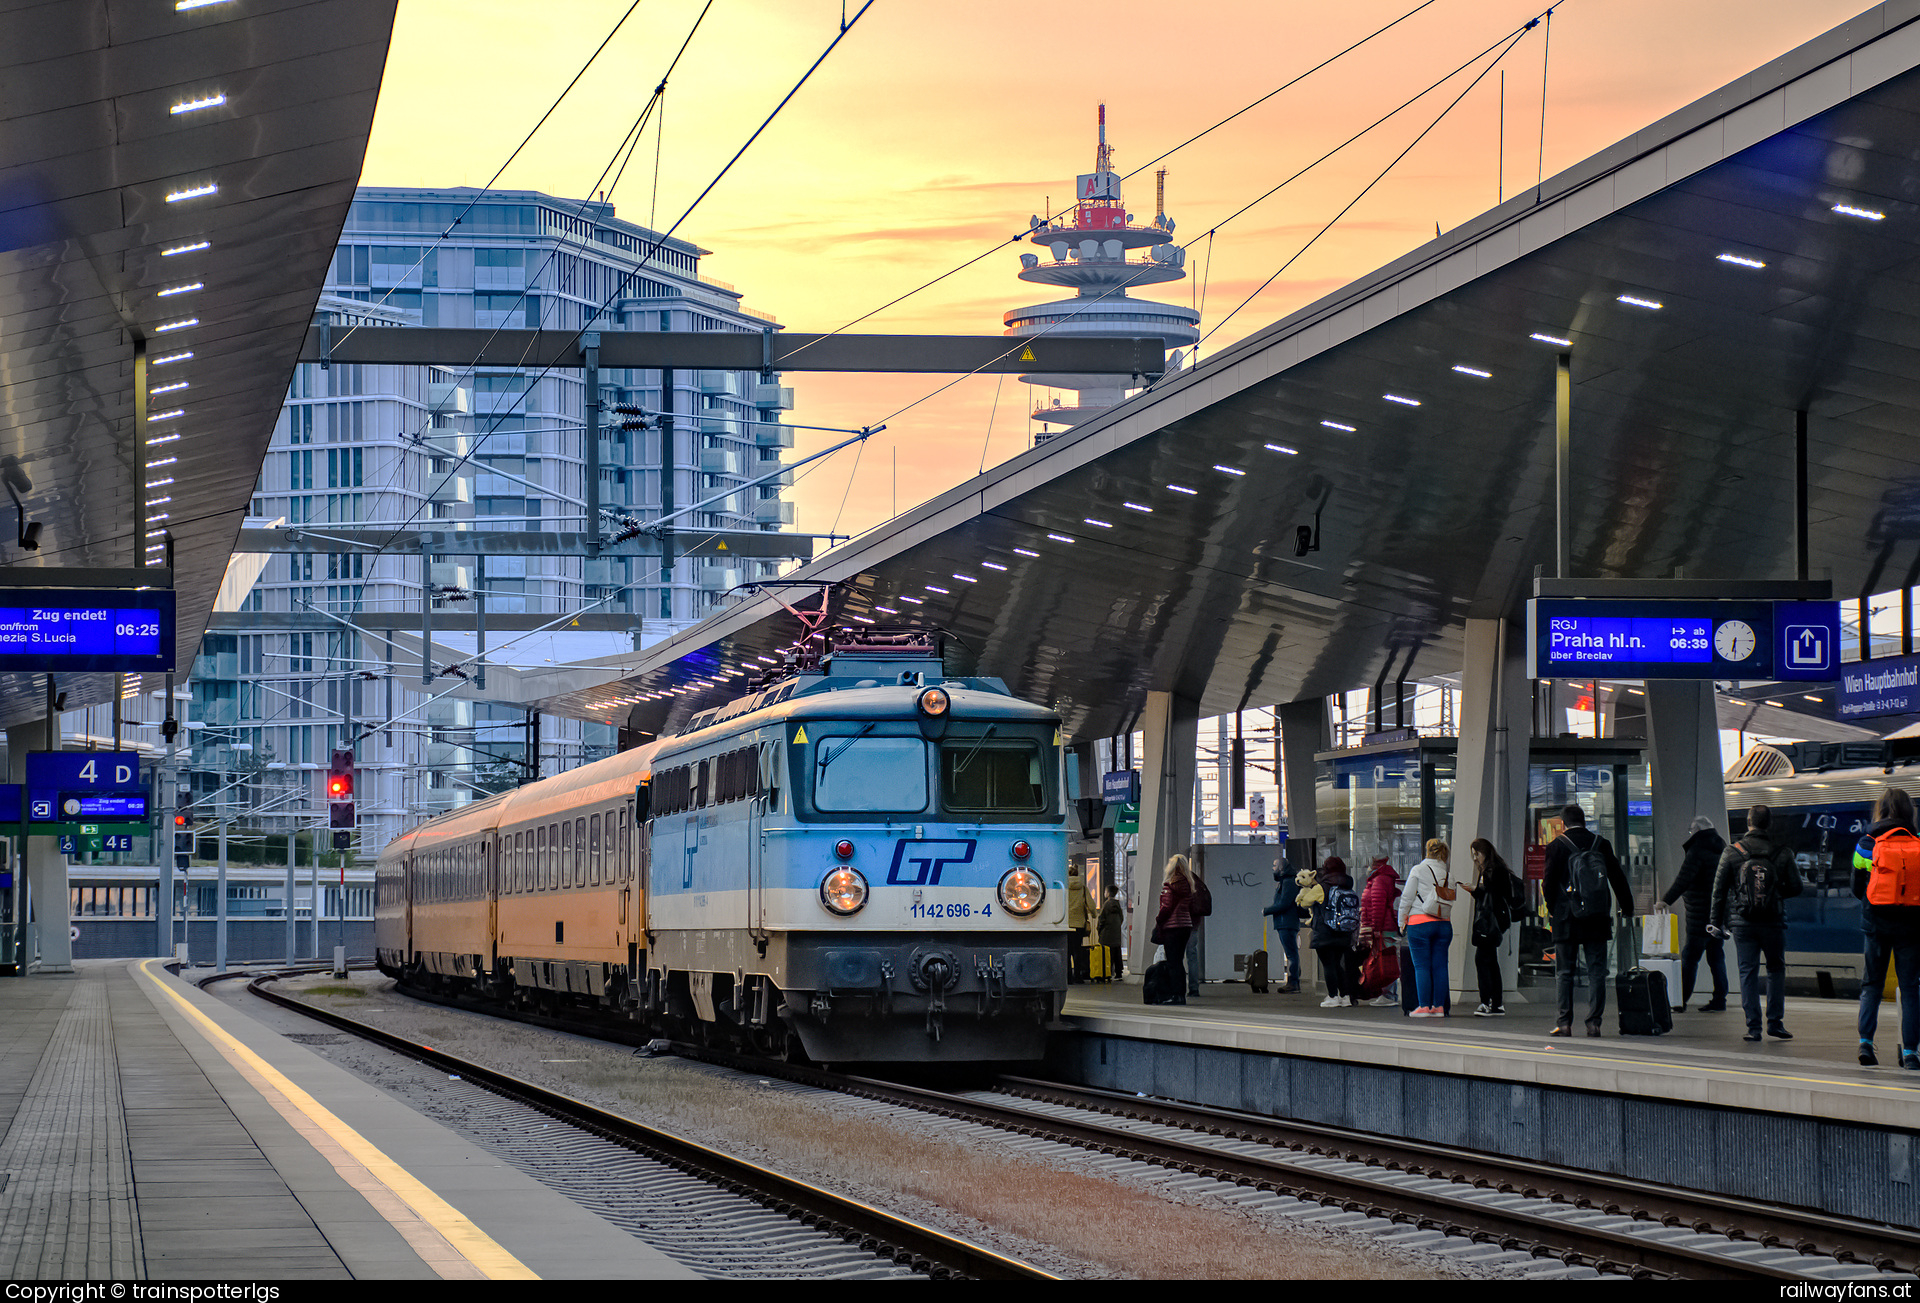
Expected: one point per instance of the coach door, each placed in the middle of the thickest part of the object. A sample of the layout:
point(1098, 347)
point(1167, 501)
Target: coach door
point(407, 875)
point(490, 887)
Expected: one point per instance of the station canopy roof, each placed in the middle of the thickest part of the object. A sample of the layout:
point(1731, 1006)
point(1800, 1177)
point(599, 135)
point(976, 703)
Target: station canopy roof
point(91, 148)
point(1754, 254)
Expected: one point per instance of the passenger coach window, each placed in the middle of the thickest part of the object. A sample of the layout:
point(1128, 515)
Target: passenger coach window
point(593, 842)
point(579, 852)
point(991, 776)
point(626, 864)
point(851, 772)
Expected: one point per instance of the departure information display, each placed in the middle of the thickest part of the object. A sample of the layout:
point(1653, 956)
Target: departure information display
point(1608, 638)
point(86, 629)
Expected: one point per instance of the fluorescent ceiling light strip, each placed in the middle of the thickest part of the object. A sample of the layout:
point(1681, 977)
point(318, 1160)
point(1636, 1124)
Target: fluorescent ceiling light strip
point(1848, 210)
point(165, 438)
point(179, 249)
point(164, 461)
point(1551, 339)
point(916, 601)
point(167, 389)
point(171, 357)
point(214, 100)
point(168, 415)
point(181, 6)
point(1136, 506)
point(1281, 447)
point(1335, 425)
point(1403, 401)
point(1740, 260)
point(1474, 371)
point(993, 565)
point(188, 288)
point(1633, 302)
point(1060, 538)
point(965, 579)
point(195, 193)
point(888, 609)
point(936, 588)
point(1181, 488)
point(1023, 552)
point(1099, 524)
point(181, 324)
point(1228, 470)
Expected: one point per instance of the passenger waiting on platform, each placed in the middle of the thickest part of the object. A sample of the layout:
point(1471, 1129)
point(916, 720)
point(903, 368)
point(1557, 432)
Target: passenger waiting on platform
point(1497, 901)
point(1581, 872)
point(1695, 881)
point(1286, 916)
point(1336, 918)
point(1113, 922)
point(1380, 926)
point(1175, 923)
point(1077, 920)
point(1754, 881)
point(1426, 908)
point(1890, 931)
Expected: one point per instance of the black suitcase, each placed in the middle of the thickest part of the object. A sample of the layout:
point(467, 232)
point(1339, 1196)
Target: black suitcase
point(1157, 987)
point(1257, 971)
point(1644, 1010)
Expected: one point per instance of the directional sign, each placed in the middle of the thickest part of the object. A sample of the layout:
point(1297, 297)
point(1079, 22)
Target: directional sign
point(86, 629)
point(1617, 638)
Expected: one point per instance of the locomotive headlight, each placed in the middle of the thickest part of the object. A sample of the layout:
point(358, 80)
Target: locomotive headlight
point(844, 890)
point(934, 702)
point(1021, 891)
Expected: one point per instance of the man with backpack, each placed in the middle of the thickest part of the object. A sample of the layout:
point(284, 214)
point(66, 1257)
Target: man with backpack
point(1755, 879)
point(1583, 881)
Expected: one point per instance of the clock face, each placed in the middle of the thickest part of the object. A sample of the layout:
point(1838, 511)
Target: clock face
point(1734, 640)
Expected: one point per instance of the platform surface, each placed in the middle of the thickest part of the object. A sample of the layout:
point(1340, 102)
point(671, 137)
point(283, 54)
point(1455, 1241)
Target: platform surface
point(150, 1131)
point(1704, 1059)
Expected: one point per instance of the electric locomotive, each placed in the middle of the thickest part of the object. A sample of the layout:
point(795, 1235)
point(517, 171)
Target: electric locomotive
point(864, 860)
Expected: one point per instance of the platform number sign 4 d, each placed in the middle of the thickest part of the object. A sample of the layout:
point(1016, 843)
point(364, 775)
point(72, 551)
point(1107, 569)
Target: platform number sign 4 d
point(85, 786)
point(1620, 638)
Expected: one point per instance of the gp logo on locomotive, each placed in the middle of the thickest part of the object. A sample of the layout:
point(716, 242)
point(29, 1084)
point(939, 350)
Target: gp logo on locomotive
point(930, 857)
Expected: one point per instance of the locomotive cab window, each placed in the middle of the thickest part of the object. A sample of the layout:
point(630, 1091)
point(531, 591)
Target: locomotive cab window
point(856, 771)
point(989, 775)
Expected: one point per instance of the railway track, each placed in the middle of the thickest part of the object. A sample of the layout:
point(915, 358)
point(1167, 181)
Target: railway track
point(874, 1230)
point(1577, 1217)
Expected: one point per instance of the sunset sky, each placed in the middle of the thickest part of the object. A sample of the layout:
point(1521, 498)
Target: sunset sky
point(936, 130)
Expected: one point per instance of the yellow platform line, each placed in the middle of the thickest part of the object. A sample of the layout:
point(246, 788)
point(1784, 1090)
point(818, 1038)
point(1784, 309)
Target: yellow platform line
point(443, 1237)
point(1553, 1053)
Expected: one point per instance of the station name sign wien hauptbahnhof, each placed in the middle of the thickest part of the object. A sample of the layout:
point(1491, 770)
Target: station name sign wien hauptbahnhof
point(1626, 638)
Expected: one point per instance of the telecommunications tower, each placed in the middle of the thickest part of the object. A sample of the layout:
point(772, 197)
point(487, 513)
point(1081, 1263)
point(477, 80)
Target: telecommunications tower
point(1089, 244)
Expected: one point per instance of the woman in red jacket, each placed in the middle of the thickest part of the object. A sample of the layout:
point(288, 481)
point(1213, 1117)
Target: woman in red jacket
point(1175, 922)
point(1379, 913)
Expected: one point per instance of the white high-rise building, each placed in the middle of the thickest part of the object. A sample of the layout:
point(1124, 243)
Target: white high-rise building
point(485, 449)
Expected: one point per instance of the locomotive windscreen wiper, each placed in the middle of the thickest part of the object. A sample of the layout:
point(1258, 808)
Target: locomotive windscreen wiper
point(835, 754)
point(961, 768)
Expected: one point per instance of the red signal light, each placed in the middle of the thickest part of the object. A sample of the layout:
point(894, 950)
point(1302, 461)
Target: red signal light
point(340, 787)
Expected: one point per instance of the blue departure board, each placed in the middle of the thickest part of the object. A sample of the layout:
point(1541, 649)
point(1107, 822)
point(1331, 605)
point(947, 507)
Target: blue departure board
point(128, 630)
point(1610, 638)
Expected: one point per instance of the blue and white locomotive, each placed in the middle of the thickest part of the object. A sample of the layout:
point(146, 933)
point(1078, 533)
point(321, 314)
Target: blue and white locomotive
point(865, 860)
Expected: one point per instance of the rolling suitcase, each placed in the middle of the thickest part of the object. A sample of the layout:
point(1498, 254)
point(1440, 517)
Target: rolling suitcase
point(1257, 971)
point(1644, 1010)
point(1099, 964)
point(1156, 987)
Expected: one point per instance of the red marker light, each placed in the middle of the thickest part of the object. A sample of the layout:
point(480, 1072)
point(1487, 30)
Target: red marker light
point(844, 849)
point(1021, 850)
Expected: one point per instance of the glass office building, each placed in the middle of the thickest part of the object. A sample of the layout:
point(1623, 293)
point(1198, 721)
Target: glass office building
point(478, 448)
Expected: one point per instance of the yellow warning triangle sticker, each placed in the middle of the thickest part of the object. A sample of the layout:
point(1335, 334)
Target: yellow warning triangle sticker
point(1026, 354)
point(800, 735)
point(722, 546)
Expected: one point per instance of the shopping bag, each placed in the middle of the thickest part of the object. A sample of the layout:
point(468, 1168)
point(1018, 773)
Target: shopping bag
point(1660, 934)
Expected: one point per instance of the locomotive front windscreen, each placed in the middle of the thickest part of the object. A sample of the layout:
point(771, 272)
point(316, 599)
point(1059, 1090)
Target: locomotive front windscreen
point(996, 777)
point(862, 773)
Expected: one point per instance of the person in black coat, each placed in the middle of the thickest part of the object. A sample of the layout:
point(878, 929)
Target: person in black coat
point(1285, 912)
point(1760, 931)
point(1576, 932)
point(1695, 882)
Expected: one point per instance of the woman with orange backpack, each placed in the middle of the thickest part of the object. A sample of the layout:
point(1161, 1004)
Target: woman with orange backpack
point(1886, 879)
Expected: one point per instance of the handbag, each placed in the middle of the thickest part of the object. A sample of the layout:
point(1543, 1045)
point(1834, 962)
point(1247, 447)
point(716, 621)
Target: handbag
point(1660, 936)
point(1445, 888)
